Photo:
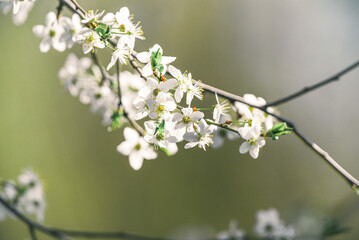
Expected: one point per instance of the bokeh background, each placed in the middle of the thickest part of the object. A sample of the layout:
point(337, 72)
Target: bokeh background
point(268, 48)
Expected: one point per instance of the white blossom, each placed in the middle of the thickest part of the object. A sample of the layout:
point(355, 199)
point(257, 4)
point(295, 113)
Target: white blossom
point(160, 139)
point(91, 16)
point(184, 82)
point(136, 148)
point(72, 69)
point(187, 119)
point(89, 40)
point(50, 33)
point(202, 137)
point(33, 199)
point(269, 225)
point(145, 57)
point(220, 109)
point(72, 29)
point(161, 106)
point(233, 233)
point(121, 53)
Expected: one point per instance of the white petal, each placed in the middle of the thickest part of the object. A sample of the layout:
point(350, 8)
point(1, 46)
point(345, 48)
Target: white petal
point(197, 115)
point(125, 148)
point(143, 57)
point(169, 84)
point(136, 160)
point(38, 30)
point(245, 147)
point(147, 70)
point(190, 145)
point(170, 105)
point(167, 60)
point(254, 152)
point(131, 135)
point(50, 18)
point(178, 94)
point(190, 136)
point(176, 117)
point(45, 45)
point(174, 71)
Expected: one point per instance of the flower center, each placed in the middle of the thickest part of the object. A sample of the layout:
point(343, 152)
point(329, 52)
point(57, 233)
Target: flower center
point(90, 38)
point(122, 28)
point(186, 120)
point(160, 136)
point(161, 108)
point(156, 92)
point(52, 33)
point(138, 147)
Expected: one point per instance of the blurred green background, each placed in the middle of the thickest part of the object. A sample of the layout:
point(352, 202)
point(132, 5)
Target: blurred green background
point(268, 48)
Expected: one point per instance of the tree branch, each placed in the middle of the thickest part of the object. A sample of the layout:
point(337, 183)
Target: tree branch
point(308, 89)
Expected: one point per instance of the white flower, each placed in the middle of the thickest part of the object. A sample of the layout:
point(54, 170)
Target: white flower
point(187, 118)
point(194, 91)
point(123, 26)
point(92, 16)
point(154, 88)
point(33, 199)
point(136, 148)
point(184, 82)
point(220, 109)
point(130, 85)
point(253, 146)
point(202, 138)
point(145, 57)
point(233, 233)
point(121, 53)
point(73, 68)
point(72, 28)
point(162, 106)
point(161, 138)
point(50, 34)
point(269, 225)
point(89, 40)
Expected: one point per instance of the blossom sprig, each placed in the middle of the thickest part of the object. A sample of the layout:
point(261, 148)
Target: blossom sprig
point(157, 99)
point(26, 195)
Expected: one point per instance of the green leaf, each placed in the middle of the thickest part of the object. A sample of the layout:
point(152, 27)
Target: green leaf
point(278, 130)
point(156, 59)
point(116, 120)
point(160, 128)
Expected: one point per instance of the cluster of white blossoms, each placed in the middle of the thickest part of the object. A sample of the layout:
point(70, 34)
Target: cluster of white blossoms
point(19, 8)
point(163, 98)
point(268, 226)
point(26, 195)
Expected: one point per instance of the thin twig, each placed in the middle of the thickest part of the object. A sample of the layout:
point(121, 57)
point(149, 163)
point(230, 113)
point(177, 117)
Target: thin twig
point(32, 233)
point(61, 233)
point(98, 63)
point(118, 83)
point(308, 89)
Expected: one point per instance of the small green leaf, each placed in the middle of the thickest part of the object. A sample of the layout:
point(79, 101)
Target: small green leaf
point(278, 130)
point(116, 120)
point(160, 128)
